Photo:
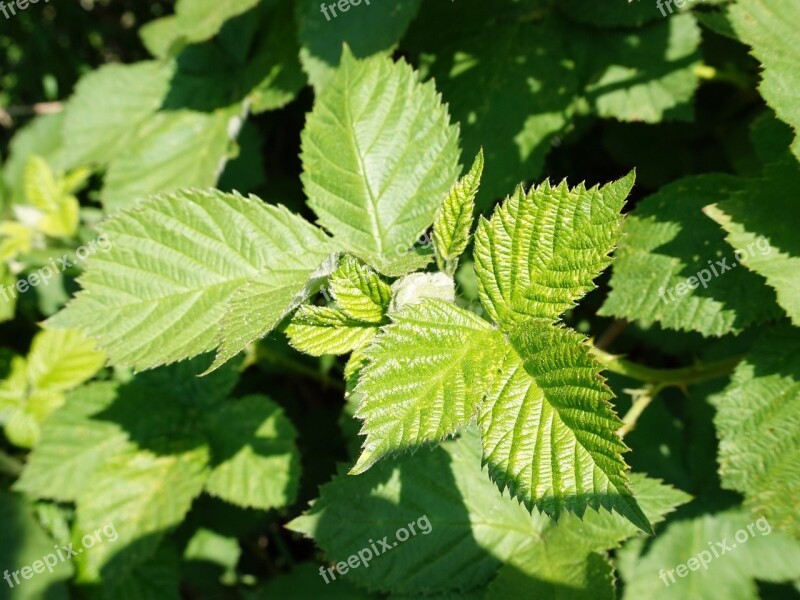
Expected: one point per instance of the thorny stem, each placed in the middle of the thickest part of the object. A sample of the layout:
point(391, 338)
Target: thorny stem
point(641, 400)
point(657, 379)
point(665, 377)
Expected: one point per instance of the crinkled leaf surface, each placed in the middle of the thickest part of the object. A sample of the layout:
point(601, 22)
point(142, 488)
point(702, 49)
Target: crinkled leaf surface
point(427, 373)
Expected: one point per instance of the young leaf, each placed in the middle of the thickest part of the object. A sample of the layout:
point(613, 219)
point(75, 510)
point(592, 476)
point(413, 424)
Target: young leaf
point(548, 430)
point(359, 291)
point(426, 375)
point(453, 221)
point(541, 250)
point(378, 154)
point(318, 330)
point(256, 462)
point(176, 263)
point(758, 422)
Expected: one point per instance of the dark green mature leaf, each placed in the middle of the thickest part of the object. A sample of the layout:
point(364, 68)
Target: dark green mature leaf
point(770, 27)
point(761, 221)
point(645, 74)
point(505, 82)
point(256, 462)
point(673, 266)
point(378, 155)
point(758, 421)
point(471, 532)
point(22, 542)
point(367, 28)
point(729, 566)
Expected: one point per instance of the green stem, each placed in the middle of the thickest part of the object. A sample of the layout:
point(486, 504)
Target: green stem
point(10, 465)
point(665, 377)
point(295, 366)
point(640, 402)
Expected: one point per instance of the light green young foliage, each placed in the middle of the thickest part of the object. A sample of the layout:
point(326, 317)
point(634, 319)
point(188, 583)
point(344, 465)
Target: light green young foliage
point(55, 209)
point(542, 249)
point(378, 156)
point(359, 291)
point(758, 420)
point(453, 222)
point(426, 375)
point(58, 361)
point(770, 27)
point(434, 367)
point(361, 301)
point(471, 533)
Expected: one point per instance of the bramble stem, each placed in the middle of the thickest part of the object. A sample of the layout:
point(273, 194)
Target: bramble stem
point(665, 377)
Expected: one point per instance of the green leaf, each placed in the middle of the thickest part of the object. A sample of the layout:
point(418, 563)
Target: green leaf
point(200, 20)
point(471, 531)
point(453, 221)
point(143, 495)
point(55, 209)
point(759, 221)
point(769, 26)
point(378, 154)
point(758, 553)
point(304, 582)
point(318, 330)
point(175, 265)
point(172, 150)
point(667, 267)
point(256, 461)
point(61, 360)
point(359, 291)
point(260, 305)
point(107, 108)
point(548, 429)
point(569, 561)
point(541, 250)
point(758, 423)
point(507, 77)
point(366, 28)
point(73, 446)
point(647, 74)
point(426, 375)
